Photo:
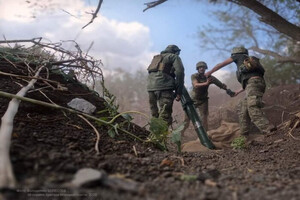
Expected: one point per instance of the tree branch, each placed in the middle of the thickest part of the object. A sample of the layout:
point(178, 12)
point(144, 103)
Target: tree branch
point(271, 18)
point(153, 4)
point(94, 14)
point(278, 57)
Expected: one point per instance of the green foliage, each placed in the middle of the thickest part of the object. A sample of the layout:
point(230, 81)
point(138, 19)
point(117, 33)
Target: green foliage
point(176, 136)
point(111, 106)
point(190, 178)
point(158, 132)
point(111, 132)
point(239, 143)
point(112, 109)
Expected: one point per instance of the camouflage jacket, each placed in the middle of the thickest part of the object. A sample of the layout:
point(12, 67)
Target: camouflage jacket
point(163, 81)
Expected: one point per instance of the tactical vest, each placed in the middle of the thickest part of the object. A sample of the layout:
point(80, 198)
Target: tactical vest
point(157, 64)
point(249, 68)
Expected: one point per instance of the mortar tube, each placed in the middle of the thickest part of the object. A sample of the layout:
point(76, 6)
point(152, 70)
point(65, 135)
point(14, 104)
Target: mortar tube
point(189, 108)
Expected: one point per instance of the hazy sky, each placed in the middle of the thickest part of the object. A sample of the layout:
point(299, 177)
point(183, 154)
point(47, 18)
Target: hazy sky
point(123, 35)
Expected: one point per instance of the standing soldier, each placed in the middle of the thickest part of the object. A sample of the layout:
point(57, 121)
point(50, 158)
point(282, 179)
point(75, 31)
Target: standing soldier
point(166, 75)
point(200, 93)
point(250, 74)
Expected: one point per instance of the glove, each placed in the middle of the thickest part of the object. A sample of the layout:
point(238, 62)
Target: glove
point(230, 92)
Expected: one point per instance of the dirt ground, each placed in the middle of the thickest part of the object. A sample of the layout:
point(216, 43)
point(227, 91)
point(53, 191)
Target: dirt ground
point(49, 146)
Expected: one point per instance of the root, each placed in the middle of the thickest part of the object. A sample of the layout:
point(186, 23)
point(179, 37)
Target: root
point(97, 133)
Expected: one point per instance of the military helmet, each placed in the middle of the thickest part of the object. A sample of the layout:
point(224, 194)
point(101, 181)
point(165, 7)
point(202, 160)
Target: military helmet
point(241, 50)
point(201, 64)
point(173, 48)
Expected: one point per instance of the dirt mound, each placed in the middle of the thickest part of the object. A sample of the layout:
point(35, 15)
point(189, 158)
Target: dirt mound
point(281, 103)
point(50, 146)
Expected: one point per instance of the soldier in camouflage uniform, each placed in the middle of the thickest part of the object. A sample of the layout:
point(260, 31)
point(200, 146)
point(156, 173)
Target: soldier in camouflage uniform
point(252, 80)
point(166, 75)
point(200, 93)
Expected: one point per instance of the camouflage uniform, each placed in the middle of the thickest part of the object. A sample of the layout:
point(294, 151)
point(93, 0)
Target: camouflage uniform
point(200, 98)
point(250, 108)
point(161, 85)
point(200, 94)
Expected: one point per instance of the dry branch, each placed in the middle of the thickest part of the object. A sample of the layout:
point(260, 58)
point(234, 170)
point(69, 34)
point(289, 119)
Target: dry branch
point(94, 14)
point(153, 4)
point(30, 77)
point(7, 178)
point(86, 68)
point(110, 123)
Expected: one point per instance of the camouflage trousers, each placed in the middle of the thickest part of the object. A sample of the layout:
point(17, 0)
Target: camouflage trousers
point(250, 108)
point(159, 99)
point(202, 109)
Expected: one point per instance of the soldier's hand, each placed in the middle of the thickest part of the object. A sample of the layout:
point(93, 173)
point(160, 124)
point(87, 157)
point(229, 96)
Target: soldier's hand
point(178, 97)
point(236, 93)
point(209, 80)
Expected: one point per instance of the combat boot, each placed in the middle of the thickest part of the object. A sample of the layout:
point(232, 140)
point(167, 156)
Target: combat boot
point(270, 129)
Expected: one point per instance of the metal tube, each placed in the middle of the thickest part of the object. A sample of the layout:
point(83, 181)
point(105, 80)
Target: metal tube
point(189, 108)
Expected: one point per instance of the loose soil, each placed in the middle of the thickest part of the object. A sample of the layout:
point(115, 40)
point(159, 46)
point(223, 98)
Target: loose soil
point(49, 146)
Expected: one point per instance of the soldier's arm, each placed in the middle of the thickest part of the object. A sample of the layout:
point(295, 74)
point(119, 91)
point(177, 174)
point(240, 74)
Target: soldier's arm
point(179, 74)
point(219, 66)
point(196, 84)
point(218, 83)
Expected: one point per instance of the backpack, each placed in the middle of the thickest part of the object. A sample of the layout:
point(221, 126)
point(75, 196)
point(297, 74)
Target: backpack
point(155, 64)
point(158, 65)
point(251, 63)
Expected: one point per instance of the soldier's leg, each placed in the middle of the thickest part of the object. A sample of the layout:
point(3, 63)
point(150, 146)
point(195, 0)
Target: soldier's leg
point(166, 99)
point(256, 114)
point(254, 92)
point(244, 118)
point(203, 112)
point(153, 104)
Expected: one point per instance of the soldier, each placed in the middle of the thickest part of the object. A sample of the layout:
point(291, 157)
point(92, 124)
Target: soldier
point(251, 77)
point(200, 93)
point(166, 75)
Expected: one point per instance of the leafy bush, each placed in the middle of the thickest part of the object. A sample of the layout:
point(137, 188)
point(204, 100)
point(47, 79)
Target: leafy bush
point(239, 143)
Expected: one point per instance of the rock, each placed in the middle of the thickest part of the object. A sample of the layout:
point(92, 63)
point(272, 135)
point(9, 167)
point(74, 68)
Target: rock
point(87, 177)
point(278, 141)
point(122, 184)
point(82, 105)
point(210, 183)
